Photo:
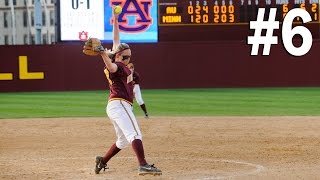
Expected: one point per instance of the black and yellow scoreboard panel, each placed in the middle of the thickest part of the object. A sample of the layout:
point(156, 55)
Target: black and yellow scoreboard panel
point(228, 12)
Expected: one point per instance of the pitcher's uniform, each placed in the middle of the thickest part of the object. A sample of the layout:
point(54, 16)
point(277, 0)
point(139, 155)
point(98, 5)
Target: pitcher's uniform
point(119, 108)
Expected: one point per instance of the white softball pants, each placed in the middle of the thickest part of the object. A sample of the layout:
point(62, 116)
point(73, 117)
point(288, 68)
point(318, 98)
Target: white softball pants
point(137, 94)
point(124, 122)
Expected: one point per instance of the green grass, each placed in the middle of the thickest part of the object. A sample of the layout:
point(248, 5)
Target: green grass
point(175, 102)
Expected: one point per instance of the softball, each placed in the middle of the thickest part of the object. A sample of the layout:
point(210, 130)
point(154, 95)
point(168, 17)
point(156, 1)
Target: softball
point(117, 9)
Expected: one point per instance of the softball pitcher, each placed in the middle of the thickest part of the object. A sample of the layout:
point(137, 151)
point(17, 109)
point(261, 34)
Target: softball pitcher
point(119, 107)
point(136, 89)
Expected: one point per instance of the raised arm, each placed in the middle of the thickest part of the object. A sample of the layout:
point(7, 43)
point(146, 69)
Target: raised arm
point(112, 67)
point(115, 32)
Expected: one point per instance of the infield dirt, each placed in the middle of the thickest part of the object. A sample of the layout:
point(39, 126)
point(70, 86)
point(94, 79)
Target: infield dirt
point(182, 147)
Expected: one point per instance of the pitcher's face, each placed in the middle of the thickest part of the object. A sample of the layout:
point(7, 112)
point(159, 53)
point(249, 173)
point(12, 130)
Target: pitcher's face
point(124, 56)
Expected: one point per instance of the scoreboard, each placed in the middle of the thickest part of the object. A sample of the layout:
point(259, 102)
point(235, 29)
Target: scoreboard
point(228, 12)
point(175, 20)
point(225, 20)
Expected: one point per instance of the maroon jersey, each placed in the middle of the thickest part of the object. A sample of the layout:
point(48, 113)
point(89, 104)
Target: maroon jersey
point(120, 83)
point(136, 78)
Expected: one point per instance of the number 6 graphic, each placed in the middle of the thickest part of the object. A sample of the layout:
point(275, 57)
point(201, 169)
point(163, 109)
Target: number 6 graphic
point(288, 32)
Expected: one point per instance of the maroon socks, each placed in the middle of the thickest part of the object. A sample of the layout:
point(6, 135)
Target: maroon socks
point(138, 149)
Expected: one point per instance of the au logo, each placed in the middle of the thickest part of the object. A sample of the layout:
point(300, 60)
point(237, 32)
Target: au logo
point(137, 11)
point(83, 36)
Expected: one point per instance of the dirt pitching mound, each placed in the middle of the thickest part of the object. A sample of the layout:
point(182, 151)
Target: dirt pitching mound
point(182, 147)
